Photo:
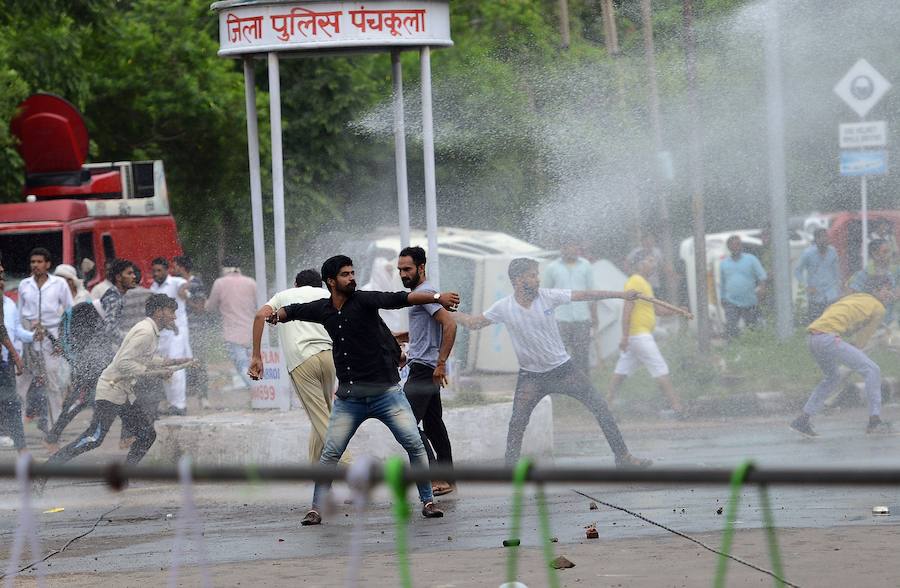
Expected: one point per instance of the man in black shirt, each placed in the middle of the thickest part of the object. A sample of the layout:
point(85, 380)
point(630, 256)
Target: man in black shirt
point(366, 357)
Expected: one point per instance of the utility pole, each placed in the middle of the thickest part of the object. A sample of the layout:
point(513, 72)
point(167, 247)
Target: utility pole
point(662, 157)
point(610, 32)
point(564, 23)
point(779, 240)
point(696, 164)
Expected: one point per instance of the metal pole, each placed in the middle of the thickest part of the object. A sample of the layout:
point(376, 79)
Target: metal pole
point(564, 23)
point(256, 208)
point(697, 203)
point(400, 149)
point(864, 194)
point(277, 172)
point(662, 181)
point(779, 239)
point(430, 185)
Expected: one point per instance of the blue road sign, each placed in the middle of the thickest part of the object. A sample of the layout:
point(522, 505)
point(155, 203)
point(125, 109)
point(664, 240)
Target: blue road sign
point(863, 163)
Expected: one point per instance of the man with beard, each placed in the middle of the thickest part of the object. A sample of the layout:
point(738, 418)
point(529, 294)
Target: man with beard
point(366, 357)
point(432, 332)
point(544, 365)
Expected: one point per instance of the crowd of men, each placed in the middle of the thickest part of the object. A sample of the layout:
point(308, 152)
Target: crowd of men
point(64, 341)
point(122, 348)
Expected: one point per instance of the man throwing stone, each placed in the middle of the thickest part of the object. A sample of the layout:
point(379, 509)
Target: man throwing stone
point(838, 337)
point(366, 357)
point(544, 366)
point(432, 332)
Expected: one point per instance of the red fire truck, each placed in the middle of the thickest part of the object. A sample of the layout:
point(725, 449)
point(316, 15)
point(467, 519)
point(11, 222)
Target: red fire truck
point(79, 211)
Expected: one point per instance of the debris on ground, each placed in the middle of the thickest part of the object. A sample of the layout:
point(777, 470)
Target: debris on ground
point(511, 543)
point(281, 540)
point(591, 532)
point(592, 506)
point(719, 510)
point(881, 510)
point(554, 539)
point(561, 563)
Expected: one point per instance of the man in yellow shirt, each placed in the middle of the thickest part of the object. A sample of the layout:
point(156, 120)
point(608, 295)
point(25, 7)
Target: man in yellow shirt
point(638, 345)
point(855, 317)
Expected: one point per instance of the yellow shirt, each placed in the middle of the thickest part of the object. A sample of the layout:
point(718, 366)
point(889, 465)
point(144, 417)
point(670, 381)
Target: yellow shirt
point(643, 317)
point(855, 315)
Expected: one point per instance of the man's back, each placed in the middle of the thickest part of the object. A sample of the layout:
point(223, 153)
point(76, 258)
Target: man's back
point(234, 297)
point(300, 340)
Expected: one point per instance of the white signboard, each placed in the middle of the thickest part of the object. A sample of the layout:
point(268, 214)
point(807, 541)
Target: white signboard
point(274, 389)
point(247, 27)
point(863, 134)
point(862, 87)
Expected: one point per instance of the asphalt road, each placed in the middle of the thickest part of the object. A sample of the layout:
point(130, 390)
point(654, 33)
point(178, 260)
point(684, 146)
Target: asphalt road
point(244, 523)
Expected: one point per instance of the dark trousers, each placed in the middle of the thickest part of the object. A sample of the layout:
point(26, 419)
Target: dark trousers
point(566, 379)
point(576, 337)
point(425, 399)
point(197, 377)
point(80, 396)
point(733, 316)
point(10, 406)
point(105, 414)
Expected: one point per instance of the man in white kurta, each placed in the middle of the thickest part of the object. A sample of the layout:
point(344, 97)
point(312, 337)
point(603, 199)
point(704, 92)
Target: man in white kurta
point(173, 344)
point(43, 299)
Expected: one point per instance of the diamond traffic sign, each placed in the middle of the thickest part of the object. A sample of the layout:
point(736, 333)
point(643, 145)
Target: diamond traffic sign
point(862, 87)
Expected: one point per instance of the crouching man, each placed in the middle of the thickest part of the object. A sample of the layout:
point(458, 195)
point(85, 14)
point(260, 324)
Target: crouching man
point(137, 356)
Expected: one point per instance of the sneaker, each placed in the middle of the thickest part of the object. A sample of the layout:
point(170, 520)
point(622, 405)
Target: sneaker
point(877, 426)
point(6, 442)
point(802, 426)
point(311, 518)
point(629, 461)
point(430, 511)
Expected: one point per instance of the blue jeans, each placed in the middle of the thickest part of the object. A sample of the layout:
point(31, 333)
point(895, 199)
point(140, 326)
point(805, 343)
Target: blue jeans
point(391, 408)
point(830, 351)
point(240, 357)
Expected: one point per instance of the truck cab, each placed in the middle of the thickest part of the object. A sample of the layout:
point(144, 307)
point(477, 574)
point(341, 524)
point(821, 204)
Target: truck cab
point(78, 211)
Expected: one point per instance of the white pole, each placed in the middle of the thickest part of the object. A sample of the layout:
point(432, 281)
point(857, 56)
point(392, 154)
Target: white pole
point(430, 185)
point(779, 239)
point(864, 192)
point(277, 172)
point(400, 150)
point(256, 209)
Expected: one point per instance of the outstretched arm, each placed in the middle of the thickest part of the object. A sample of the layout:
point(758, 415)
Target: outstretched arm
point(259, 323)
point(583, 295)
point(472, 322)
point(449, 300)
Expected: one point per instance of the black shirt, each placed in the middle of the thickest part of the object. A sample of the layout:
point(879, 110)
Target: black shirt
point(366, 355)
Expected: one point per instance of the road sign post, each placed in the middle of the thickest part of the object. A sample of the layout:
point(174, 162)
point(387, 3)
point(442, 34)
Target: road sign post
point(861, 88)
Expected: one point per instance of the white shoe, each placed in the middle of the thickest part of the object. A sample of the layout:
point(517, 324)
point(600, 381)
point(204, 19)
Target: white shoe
point(7, 442)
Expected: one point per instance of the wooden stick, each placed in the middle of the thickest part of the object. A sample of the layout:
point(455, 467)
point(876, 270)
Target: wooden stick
point(663, 304)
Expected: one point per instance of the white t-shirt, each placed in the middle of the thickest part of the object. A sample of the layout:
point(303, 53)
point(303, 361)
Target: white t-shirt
point(54, 297)
point(300, 340)
point(534, 331)
point(170, 288)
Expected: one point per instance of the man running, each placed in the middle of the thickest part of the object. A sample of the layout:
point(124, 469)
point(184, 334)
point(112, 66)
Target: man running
point(854, 318)
point(432, 332)
point(307, 356)
point(115, 395)
point(366, 357)
point(638, 345)
point(544, 365)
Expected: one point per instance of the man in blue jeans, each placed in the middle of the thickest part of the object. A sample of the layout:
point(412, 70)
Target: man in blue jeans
point(366, 357)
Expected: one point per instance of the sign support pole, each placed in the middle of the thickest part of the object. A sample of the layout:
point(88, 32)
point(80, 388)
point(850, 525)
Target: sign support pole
point(400, 149)
point(256, 208)
point(430, 184)
point(277, 172)
point(864, 196)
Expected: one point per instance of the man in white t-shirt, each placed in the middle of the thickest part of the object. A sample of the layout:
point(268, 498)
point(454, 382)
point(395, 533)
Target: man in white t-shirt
point(173, 344)
point(544, 365)
point(307, 356)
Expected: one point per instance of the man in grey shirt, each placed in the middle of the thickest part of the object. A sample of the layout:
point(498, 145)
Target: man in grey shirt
point(432, 332)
